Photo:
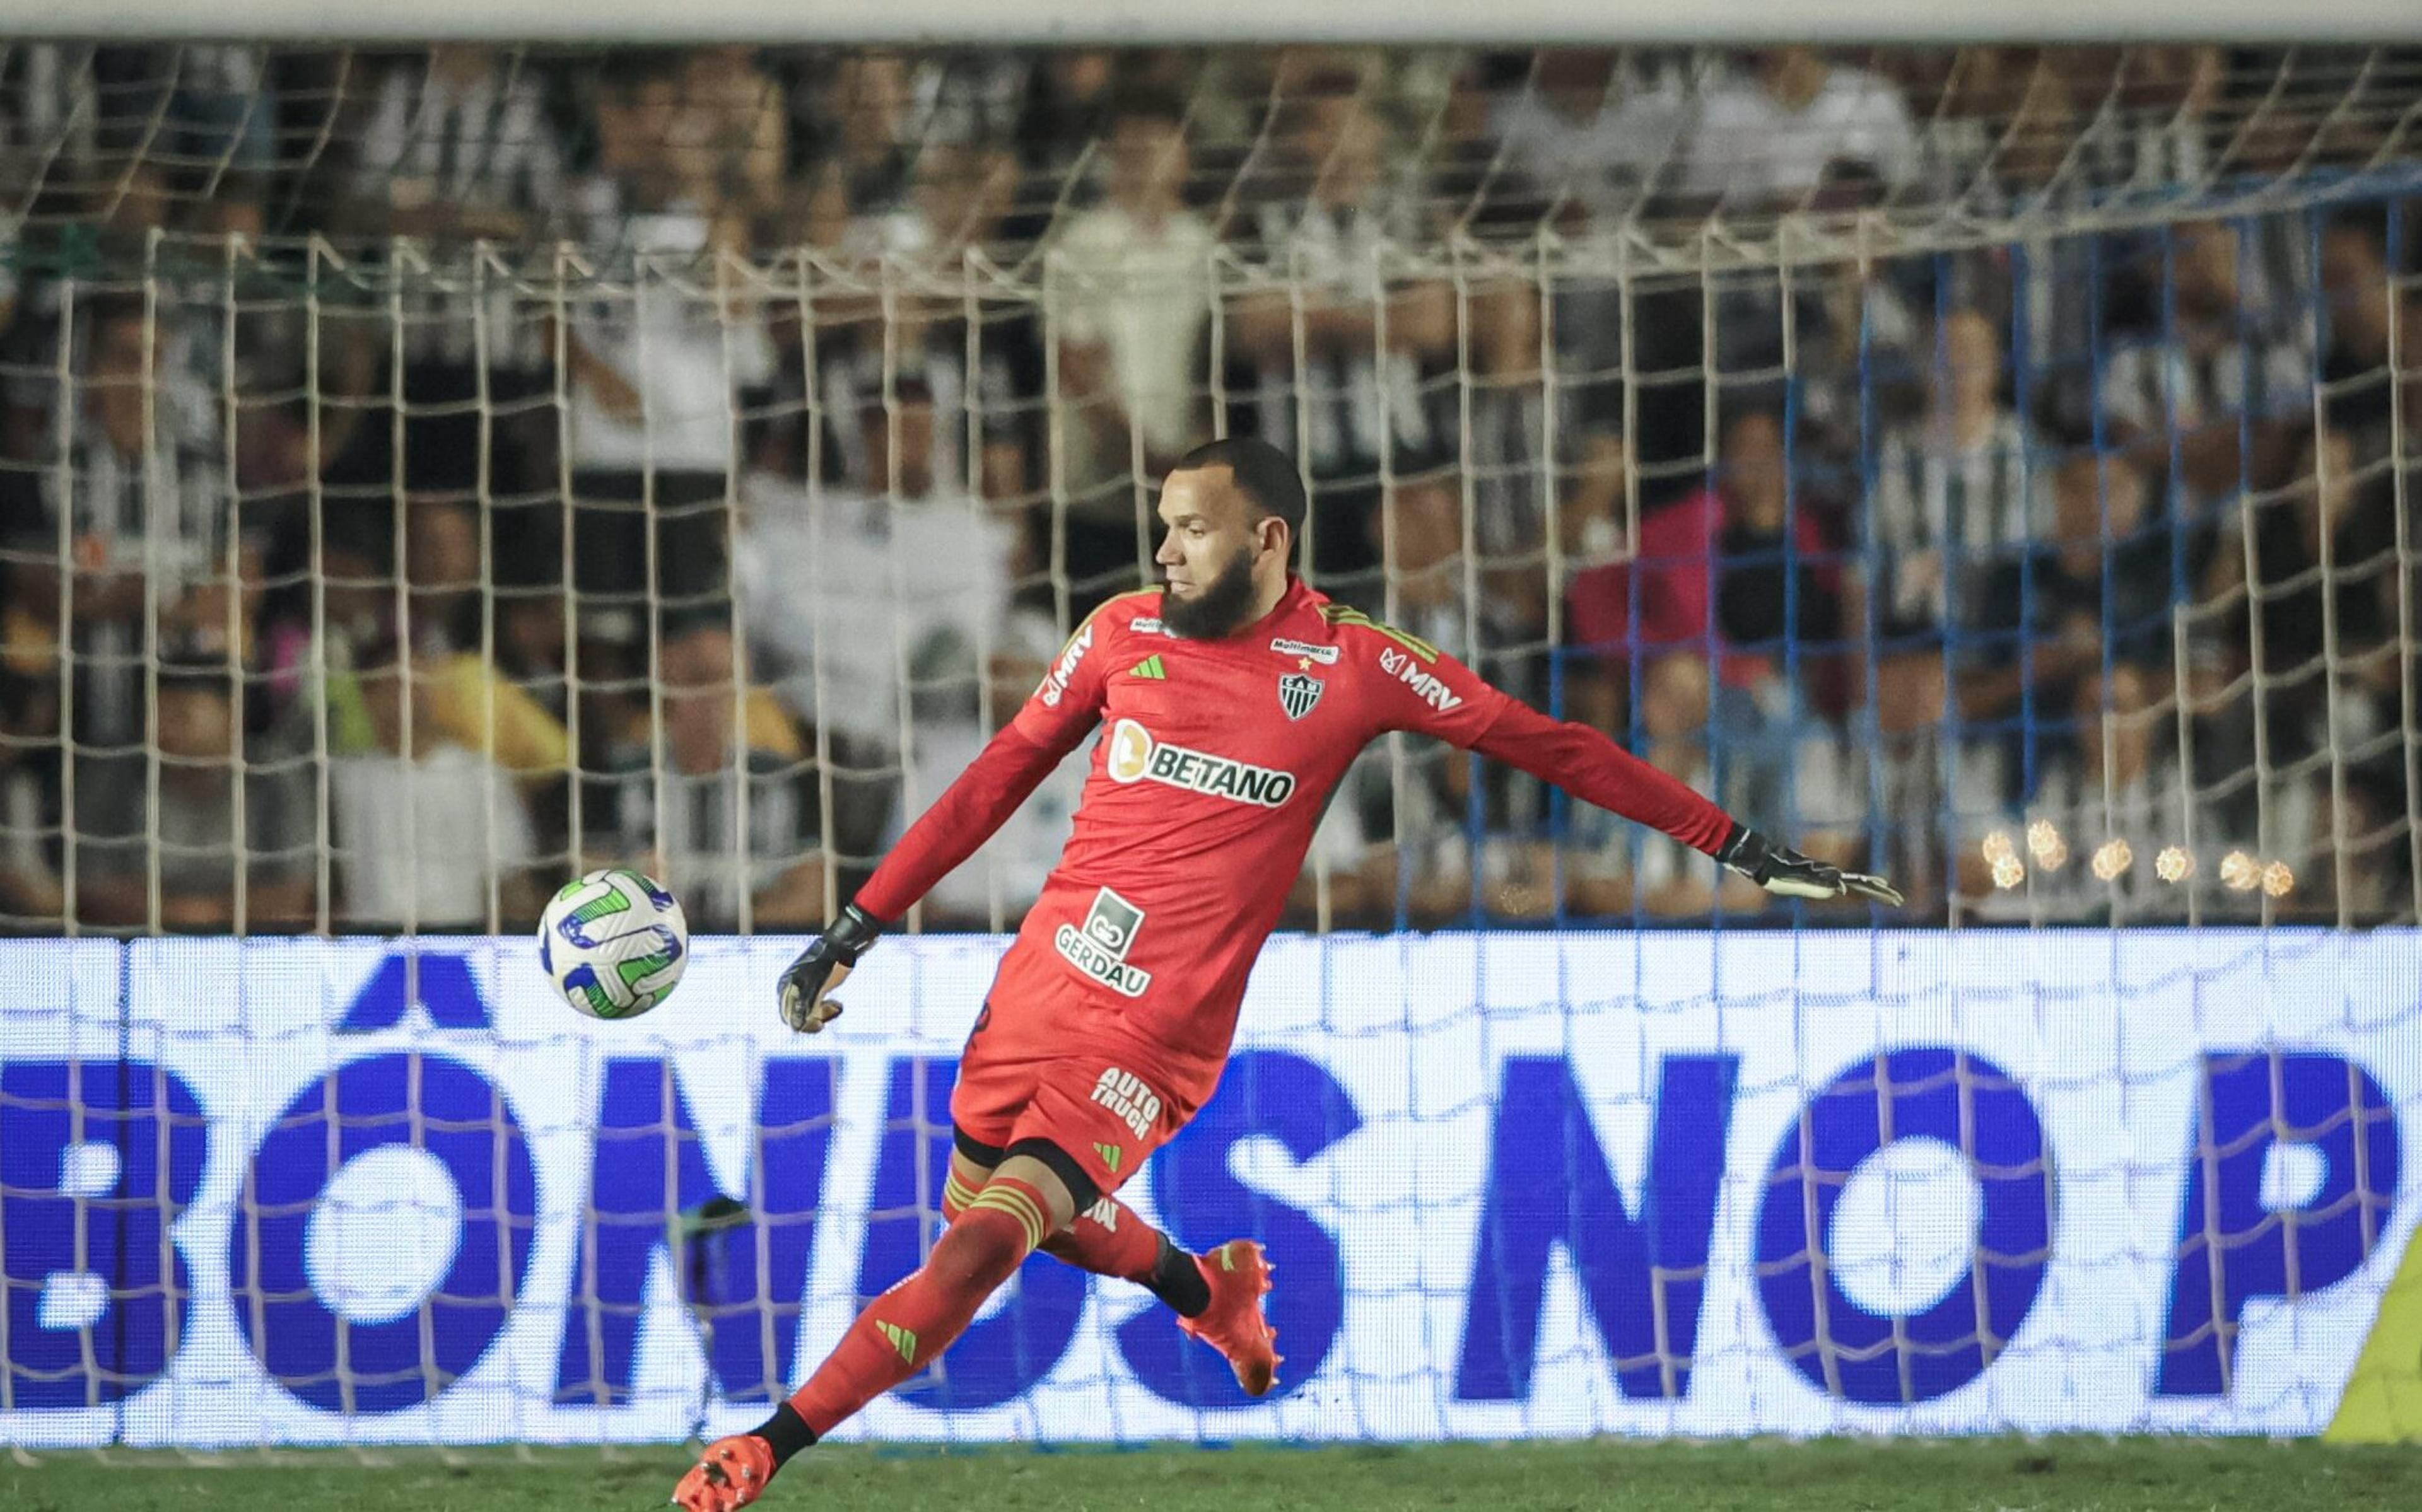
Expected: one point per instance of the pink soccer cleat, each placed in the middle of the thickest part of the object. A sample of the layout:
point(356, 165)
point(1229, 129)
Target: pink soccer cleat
point(730, 1474)
point(1238, 1275)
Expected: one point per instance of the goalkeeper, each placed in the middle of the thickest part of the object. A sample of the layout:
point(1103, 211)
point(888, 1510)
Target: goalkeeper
point(1231, 703)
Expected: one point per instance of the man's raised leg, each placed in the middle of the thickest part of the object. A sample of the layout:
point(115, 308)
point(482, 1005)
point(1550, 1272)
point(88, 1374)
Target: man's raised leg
point(1106, 1238)
point(1216, 1296)
point(898, 1334)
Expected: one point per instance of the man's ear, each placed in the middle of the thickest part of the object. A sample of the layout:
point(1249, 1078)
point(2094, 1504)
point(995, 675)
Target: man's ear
point(1270, 534)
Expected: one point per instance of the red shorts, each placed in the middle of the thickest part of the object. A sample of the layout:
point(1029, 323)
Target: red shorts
point(1085, 1097)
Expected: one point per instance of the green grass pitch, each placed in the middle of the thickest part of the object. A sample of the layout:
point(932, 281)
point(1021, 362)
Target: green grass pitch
point(2077, 1474)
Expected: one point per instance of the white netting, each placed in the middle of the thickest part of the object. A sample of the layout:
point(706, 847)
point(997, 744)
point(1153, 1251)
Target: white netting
point(426, 474)
point(2045, 481)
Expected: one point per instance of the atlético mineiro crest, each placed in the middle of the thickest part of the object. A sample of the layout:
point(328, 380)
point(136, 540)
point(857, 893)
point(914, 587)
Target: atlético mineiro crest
point(1297, 694)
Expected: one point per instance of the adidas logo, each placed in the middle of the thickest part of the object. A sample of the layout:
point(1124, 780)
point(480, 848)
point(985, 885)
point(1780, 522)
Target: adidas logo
point(901, 1339)
point(1109, 1154)
point(1149, 667)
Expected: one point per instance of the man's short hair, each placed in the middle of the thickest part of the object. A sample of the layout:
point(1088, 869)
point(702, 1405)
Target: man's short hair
point(1263, 474)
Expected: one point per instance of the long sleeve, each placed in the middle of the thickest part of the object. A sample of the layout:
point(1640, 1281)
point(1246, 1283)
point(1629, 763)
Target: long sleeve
point(1054, 720)
point(1004, 775)
point(1587, 764)
point(1422, 688)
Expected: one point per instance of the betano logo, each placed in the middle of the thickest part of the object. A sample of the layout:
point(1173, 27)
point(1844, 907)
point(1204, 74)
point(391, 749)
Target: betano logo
point(1136, 757)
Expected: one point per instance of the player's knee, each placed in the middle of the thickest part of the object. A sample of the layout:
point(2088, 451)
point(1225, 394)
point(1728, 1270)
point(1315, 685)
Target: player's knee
point(977, 1253)
point(960, 1187)
point(1053, 1172)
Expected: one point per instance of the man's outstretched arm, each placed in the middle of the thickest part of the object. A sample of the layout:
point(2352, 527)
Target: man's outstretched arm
point(1053, 721)
point(1591, 767)
point(1439, 696)
point(1004, 775)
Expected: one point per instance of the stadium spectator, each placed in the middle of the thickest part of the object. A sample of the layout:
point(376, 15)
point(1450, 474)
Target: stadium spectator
point(201, 846)
point(859, 121)
point(2311, 611)
point(50, 111)
point(993, 888)
point(2095, 591)
point(1955, 501)
point(459, 144)
point(2216, 376)
point(714, 806)
point(1648, 874)
point(1952, 490)
point(1374, 392)
point(1665, 598)
point(1771, 137)
point(960, 198)
point(1778, 592)
point(1423, 809)
point(2356, 868)
point(2144, 113)
point(30, 893)
point(430, 835)
point(861, 603)
point(217, 108)
point(1592, 133)
point(651, 385)
point(1137, 288)
point(721, 123)
point(1407, 821)
point(1132, 282)
point(2360, 299)
point(1071, 103)
point(142, 502)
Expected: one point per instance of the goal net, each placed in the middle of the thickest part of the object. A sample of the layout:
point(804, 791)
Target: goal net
point(426, 475)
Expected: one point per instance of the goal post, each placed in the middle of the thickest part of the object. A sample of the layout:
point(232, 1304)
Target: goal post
point(431, 468)
point(965, 23)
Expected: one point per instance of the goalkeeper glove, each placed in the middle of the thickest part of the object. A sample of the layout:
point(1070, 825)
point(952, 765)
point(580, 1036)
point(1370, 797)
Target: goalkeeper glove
point(1785, 872)
point(805, 1007)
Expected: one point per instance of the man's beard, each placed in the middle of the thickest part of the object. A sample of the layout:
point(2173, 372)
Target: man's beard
point(1221, 609)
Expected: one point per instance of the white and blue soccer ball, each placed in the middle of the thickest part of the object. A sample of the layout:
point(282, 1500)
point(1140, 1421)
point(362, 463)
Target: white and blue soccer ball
point(614, 943)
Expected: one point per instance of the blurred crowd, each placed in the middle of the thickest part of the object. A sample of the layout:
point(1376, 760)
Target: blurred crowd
point(425, 476)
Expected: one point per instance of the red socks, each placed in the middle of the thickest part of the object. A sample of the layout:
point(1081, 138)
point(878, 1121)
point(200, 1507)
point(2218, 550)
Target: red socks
point(1109, 1239)
point(901, 1330)
point(990, 1232)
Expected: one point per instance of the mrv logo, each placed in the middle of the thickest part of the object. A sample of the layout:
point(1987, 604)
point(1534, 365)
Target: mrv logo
point(1134, 756)
point(1413, 675)
point(1055, 682)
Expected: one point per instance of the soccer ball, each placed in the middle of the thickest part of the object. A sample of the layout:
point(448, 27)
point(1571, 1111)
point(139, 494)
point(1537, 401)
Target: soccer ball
point(614, 943)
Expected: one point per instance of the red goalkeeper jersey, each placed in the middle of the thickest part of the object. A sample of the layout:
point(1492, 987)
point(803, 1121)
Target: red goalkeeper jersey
point(1216, 761)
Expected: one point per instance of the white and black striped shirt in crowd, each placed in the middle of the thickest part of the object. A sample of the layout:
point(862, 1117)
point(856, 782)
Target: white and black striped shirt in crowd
point(2159, 387)
point(1359, 405)
point(850, 388)
point(486, 142)
point(707, 858)
point(1968, 504)
point(49, 105)
point(169, 518)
